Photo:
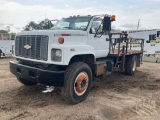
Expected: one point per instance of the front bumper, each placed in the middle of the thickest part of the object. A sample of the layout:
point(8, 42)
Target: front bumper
point(46, 77)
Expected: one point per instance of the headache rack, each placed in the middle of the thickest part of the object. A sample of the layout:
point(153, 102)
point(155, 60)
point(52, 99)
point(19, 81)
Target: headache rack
point(121, 46)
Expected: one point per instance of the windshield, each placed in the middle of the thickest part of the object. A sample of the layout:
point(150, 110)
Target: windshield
point(73, 23)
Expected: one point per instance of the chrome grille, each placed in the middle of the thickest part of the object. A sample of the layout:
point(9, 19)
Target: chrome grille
point(38, 44)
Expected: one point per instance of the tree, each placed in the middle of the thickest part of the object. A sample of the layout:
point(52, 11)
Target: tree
point(31, 26)
point(3, 31)
point(44, 24)
point(8, 29)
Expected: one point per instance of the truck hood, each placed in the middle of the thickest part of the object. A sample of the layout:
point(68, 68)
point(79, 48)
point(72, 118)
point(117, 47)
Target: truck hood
point(71, 37)
point(52, 32)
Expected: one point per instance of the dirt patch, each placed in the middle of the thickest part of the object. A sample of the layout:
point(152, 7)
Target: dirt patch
point(119, 97)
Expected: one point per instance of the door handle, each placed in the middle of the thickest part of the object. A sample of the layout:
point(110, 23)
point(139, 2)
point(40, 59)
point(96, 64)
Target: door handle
point(107, 39)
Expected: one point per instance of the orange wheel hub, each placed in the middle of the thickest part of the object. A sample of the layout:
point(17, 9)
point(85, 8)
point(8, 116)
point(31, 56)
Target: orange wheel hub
point(81, 83)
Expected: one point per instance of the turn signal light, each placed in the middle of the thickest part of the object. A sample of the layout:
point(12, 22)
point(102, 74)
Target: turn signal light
point(113, 18)
point(60, 40)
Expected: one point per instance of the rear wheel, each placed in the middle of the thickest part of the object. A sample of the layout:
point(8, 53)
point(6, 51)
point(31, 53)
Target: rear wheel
point(131, 65)
point(26, 82)
point(78, 80)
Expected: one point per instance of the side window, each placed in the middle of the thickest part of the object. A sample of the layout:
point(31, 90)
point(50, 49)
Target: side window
point(96, 25)
point(81, 25)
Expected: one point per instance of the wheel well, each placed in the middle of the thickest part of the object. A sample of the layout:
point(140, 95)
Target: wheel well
point(88, 58)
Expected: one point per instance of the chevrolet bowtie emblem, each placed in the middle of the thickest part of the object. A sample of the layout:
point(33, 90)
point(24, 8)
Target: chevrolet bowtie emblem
point(27, 47)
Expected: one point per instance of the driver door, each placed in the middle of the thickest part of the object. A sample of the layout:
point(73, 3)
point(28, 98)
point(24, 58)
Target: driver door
point(100, 42)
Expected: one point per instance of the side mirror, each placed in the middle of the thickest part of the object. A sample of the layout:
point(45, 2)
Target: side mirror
point(107, 24)
point(147, 41)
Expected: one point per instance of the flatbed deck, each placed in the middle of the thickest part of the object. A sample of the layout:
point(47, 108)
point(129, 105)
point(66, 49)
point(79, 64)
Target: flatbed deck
point(129, 52)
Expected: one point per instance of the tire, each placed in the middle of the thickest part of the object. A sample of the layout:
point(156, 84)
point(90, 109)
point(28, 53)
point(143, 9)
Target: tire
point(77, 83)
point(26, 82)
point(131, 65)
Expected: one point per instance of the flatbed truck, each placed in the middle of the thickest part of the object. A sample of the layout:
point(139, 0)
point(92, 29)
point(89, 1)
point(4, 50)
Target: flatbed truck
point(75, 51)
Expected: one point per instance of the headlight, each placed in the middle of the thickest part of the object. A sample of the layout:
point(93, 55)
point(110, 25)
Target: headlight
point(56, 55)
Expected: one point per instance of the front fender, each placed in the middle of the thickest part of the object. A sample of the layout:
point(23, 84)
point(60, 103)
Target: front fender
point(70, 51)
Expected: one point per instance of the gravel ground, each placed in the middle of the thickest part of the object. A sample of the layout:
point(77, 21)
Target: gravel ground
point(119, 97)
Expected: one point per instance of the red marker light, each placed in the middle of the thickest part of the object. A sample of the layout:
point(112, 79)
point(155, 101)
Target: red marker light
point(65, 34)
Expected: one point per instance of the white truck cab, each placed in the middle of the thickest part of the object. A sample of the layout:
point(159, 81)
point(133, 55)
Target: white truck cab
point(71, 53)
point(78, 34)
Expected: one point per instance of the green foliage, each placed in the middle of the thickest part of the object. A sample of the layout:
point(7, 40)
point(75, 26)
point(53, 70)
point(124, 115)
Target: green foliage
point(3, 31)
point(44, 24)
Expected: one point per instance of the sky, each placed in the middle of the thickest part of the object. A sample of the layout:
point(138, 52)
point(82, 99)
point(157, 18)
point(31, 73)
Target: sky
point(18, 13)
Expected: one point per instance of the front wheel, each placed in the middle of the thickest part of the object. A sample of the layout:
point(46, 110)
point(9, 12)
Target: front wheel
point(78, 80)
